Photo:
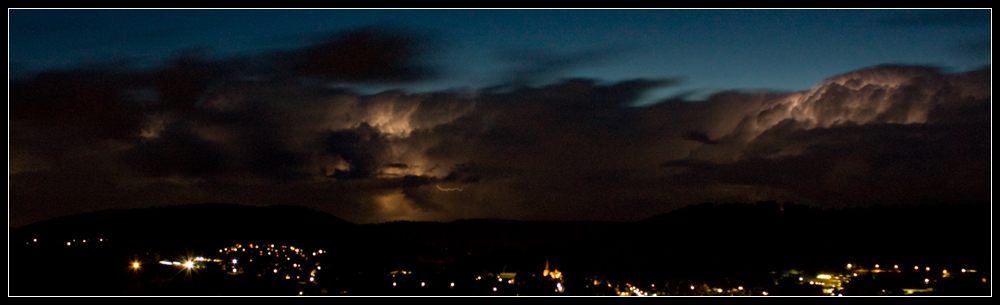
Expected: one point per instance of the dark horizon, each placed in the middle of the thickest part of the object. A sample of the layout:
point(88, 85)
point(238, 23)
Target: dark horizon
point(704, 245)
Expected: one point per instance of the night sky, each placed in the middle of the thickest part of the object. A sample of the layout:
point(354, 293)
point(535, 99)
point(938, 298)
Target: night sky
point(382, 115)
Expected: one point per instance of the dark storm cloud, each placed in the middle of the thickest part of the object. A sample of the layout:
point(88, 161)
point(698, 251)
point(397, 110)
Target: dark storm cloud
point(532, 66)
point(699, 136)
point(363, 148)
point(177, 151)
point(185, 79)
point(94, 101)
point(251, 131)
point(373, 55)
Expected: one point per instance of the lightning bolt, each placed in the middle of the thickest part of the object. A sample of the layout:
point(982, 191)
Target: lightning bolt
point(449, 189)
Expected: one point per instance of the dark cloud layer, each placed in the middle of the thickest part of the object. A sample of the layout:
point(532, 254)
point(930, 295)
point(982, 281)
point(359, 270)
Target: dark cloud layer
point(366, 55)
point(204, 130)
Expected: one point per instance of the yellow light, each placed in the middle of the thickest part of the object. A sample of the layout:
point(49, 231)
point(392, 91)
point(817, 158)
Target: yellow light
point(963, 270)
point(288, 277)
point(68, 243)
point(189, 264)
point(944, 271)
point(915, 268)
point(876, 266)
point(692, 287)
point(849, 266)
point(895, 266)
point(34, 240)
point(719, 290)
point(135, 265)
point(824, 276)
point(740, 288)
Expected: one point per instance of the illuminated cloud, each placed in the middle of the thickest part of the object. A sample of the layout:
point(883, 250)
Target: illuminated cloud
point(200, 130)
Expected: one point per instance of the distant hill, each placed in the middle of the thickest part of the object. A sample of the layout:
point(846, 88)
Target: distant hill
point(199, 225)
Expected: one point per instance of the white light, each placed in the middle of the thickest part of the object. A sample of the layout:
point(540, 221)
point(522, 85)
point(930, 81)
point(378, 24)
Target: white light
point(823, 276)
point(452, 284)
point(312, 278)
point(234, 261)
point(189, 264)
point(764, 293)
point(275, 270)
point(393, 284)
point(422, 284)
point(494, 289)
point(234, 270)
